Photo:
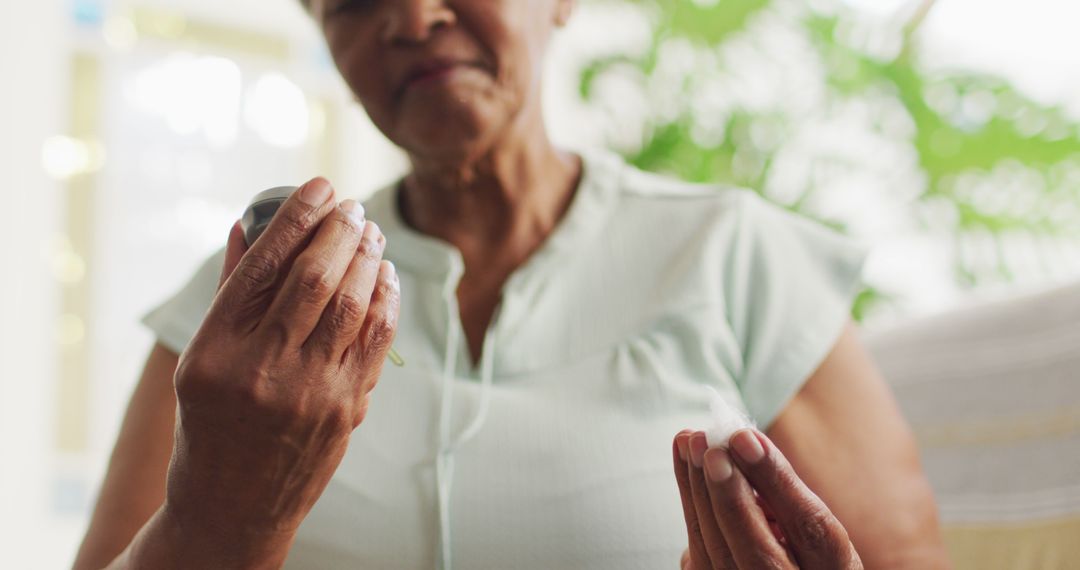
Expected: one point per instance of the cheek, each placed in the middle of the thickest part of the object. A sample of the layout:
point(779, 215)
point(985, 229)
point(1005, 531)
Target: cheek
point(509, 34)
point(523, 38)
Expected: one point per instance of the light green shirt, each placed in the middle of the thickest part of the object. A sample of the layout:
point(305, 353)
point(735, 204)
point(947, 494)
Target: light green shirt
point(555, 450)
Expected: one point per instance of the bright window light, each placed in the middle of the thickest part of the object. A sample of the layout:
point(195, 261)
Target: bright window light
point(193, 95)
point(277, 110)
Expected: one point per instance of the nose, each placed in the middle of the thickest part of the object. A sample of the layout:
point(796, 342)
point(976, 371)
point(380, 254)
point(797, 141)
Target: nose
point(413, 21)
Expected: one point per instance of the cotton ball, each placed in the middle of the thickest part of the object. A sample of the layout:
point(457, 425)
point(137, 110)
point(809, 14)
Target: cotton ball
point(726, 420)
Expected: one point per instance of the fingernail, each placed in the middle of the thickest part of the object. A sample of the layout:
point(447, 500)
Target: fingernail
point(681, 443)
point(697, 449)
point(393, 273)
point(717, 466)
point(355, 212)
point(746, 444)
point(316, 192)
point(380, 239)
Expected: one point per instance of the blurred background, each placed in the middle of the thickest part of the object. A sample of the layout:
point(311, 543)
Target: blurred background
point(132, 133)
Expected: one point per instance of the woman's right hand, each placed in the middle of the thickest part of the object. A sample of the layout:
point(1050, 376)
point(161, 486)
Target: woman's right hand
point(280, 373)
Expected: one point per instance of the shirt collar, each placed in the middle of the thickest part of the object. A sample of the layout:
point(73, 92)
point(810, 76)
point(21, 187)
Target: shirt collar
point(432, 258)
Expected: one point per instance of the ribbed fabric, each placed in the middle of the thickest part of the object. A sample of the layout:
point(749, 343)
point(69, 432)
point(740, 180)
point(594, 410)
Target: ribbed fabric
point(992, 392)
point(554, 451)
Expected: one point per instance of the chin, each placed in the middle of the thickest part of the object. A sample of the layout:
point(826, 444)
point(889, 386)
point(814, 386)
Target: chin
point(449, 134)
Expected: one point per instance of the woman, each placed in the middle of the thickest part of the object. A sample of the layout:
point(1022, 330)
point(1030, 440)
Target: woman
point(563, 317)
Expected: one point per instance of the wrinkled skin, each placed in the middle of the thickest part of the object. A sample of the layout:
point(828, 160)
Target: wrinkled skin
point(496, 49)
point(279, 374)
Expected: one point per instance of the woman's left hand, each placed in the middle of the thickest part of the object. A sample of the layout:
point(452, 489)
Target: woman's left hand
point(783, 525)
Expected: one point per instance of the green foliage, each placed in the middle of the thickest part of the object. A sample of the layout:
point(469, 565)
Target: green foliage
point(709, 25)
point(946, 146)
point(973, 135)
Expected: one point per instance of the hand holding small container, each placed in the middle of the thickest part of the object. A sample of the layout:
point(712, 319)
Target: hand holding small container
point(258, 215)
point(278, 376)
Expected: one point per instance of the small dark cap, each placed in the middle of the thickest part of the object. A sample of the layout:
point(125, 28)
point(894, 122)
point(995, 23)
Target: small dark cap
point(261, 210)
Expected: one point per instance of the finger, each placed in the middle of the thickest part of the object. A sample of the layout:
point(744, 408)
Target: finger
point(684, 562)
point(698, 556)
point(816, 537)
point(368, 351)
point(234, 250)
point(259, 272)
point(719, 552)
point(314, 277)
point(745, 528)
point(770, 518)
point(345, 314)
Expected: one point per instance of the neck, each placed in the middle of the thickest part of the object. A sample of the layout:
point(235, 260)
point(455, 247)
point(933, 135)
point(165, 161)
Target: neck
point(498, 207)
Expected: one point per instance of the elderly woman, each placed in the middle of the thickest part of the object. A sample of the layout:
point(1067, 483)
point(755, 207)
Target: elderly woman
point(563, 317)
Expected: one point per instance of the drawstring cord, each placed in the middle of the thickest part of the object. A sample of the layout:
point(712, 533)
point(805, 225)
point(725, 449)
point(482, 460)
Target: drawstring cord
point(444, 462)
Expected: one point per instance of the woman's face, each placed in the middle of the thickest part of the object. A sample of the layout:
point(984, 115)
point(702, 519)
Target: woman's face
point(441, 78)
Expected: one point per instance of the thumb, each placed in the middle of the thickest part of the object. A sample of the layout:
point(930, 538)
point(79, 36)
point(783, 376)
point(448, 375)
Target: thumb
point(234, 250)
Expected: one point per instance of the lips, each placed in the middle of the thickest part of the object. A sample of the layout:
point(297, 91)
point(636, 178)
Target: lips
point(429, 71)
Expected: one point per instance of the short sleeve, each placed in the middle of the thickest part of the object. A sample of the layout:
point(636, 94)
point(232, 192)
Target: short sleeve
point(176, 320)
point(789, 284)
